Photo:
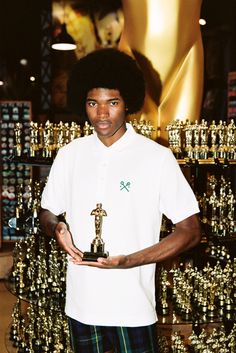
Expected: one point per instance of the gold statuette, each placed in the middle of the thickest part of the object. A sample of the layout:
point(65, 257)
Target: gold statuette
point(97, 245)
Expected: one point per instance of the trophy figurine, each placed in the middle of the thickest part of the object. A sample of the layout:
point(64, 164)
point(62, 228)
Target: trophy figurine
point(97, 245)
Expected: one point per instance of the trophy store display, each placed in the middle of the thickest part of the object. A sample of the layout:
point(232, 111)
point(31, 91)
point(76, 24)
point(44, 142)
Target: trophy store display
point(217, 341)
point(97, 248)
point(39, 267)
point(38, 278)
point(44, 140)
point(217, 206)
point(205, 295)
point(36, 258)
point(11, 113)
point(143, 127)
point(202, 140)
point(200, 295)
point(39, 330)
point(25, 218)
point(197, 298)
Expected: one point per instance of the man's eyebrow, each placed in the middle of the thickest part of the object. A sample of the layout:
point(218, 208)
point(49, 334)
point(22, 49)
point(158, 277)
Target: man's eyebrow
point(115, 98)
point(88, 99)
point(108, 100)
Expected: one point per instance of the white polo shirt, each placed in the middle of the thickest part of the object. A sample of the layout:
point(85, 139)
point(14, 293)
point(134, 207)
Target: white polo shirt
point(136, 180)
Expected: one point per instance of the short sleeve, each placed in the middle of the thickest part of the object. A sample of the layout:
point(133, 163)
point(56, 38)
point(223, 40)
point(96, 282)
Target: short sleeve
point(54, 193)
point(177, 199)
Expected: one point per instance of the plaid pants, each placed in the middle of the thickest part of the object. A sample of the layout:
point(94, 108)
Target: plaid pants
point(100, 339)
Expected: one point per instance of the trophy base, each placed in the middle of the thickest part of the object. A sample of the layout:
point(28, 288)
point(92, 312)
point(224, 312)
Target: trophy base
point(93, 256)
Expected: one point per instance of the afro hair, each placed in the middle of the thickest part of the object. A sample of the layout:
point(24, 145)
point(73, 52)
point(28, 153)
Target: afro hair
point(106, 68)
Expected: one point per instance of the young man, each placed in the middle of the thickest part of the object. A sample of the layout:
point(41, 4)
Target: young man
point(111, 302)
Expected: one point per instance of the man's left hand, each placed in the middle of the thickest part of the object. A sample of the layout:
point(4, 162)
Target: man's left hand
point(120, 261)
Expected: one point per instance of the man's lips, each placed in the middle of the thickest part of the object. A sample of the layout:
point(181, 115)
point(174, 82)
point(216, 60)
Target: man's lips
point(103, 124)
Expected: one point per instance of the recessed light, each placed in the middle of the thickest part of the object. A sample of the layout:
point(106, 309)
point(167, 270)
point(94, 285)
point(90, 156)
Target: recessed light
point(202, 22)
point(23, 62)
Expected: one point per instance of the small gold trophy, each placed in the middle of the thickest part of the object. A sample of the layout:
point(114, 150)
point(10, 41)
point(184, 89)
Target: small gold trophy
point(97, 245)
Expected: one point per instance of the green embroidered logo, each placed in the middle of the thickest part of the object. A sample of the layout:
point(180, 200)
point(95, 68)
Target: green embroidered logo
point(124, 185)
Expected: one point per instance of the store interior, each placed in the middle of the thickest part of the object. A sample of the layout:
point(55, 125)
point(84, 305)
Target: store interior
point(196, 291)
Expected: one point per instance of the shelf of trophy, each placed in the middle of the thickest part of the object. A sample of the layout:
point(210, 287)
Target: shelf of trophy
point(35, 329)
point(44, 140)
point(196, 303)
point(203, 142)
point(219, 162)
point(196, 294)
point(28, 160)
point(193, 144)
point(38, 274)
point(38, 280)
point(217, 214)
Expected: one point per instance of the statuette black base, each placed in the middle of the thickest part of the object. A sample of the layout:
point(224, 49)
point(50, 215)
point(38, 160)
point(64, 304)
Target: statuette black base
point(93, 256)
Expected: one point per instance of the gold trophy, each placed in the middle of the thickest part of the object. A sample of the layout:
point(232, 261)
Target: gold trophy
point(97, 245)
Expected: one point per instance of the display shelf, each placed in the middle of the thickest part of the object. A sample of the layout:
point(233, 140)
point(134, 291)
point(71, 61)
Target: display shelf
point(47, 299)
point(223, 239)
point(37, 280)
point(209, 161)
point(185, 297)
point(41, 161)
point(173, 322)
point(31, 161)
point(173, 318)
point(12, 174)
point(35, 330)
point(216, 238)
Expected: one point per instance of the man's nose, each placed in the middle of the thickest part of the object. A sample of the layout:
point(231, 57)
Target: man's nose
point(102, 111)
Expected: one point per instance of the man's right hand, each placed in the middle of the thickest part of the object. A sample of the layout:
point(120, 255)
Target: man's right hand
point(64, 240)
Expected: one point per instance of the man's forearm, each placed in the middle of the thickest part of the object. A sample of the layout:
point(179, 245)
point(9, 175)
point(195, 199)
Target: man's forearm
point(48, 222)
point(182, 239)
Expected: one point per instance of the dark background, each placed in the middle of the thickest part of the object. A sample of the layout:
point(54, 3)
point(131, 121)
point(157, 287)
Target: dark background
point(21, 33)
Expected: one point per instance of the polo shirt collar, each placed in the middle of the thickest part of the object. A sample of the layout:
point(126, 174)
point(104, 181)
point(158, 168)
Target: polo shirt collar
point(119, 144)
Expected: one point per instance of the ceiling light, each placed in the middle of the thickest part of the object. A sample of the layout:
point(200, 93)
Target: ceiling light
point(63, 41)
point(23, 62)
point(202, 22)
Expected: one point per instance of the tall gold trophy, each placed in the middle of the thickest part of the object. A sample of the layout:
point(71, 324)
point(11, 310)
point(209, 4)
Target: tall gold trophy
point(97, 245)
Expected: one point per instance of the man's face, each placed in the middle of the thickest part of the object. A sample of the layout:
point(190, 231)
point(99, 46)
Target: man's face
point(105, 109)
